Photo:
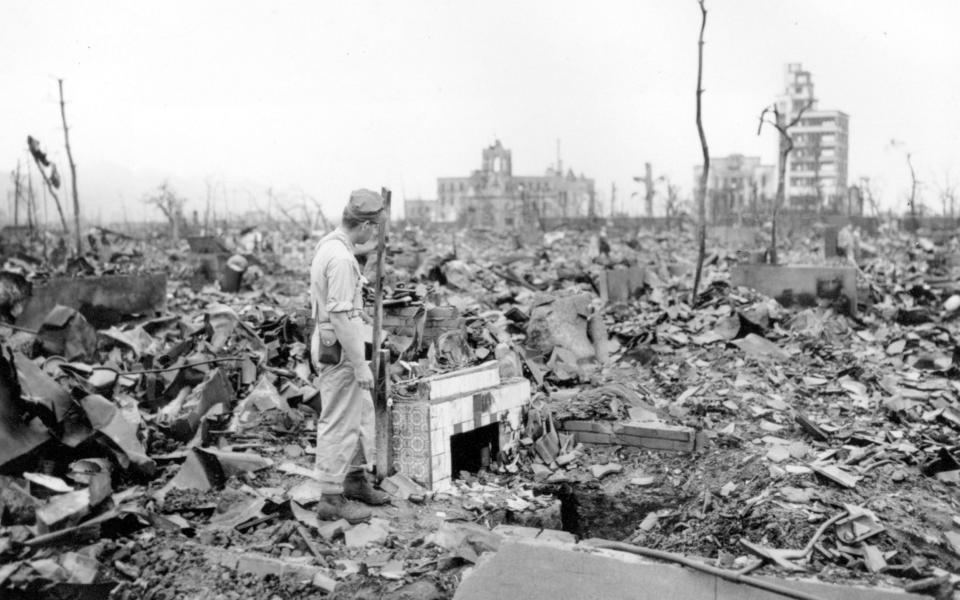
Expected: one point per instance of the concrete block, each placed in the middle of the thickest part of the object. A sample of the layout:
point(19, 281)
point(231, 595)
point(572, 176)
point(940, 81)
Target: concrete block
point(461, 382)
point(588, 426)
point(620, 285)
point(801, 285)
point(533, 570)
point(103, 301)
point(655, 430)
point(557, 536)
point(585, 437)
point(651, 443)
point(517, 531)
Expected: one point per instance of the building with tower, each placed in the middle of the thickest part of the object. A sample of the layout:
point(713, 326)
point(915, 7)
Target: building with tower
point(738, 186)
point(494, 197)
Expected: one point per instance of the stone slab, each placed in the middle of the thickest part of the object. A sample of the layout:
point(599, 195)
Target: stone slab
point(103, 301)
point(800, 285)
point(551, 571)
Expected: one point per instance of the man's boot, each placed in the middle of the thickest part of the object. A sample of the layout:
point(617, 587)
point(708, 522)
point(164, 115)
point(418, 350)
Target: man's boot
point(357, 487)
point(333, 507)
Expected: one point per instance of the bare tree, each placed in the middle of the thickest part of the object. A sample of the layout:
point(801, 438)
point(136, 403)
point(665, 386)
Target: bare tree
point(52, 181)
point(73, 172)
point(948, 195)
point(866, 192)
point(786, 146)
point(320, 214)
point(170, 205)
point(17, 185)
point(914, 183)
point(702, 191)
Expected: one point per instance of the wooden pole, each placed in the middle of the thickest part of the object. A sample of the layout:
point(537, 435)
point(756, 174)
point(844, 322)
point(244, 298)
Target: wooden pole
point(73, 171)
point(381, 379)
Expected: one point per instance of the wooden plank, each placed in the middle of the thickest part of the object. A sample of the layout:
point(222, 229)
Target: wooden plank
point(383, 418)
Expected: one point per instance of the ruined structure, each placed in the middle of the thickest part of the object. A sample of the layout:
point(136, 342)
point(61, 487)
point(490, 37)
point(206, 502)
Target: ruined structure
point(738, 186)
point(494, 197)
point(817, 167)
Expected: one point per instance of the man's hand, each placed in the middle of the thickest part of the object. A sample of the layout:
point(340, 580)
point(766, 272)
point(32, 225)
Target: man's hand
point(364, 377)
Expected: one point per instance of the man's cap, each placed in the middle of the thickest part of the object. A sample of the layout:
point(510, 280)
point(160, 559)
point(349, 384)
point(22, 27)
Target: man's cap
point(365, 205)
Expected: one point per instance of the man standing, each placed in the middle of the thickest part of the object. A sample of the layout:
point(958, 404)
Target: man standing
point(346, 421)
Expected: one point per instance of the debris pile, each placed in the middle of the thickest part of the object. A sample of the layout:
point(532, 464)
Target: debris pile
point(172, 455)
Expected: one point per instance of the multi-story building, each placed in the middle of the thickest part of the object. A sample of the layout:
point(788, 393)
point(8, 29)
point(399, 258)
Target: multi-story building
point(494, 197)
point(816, 172)
point(737, 186)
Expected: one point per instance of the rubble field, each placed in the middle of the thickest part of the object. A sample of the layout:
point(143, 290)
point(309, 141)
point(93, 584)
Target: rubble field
point(161, 454)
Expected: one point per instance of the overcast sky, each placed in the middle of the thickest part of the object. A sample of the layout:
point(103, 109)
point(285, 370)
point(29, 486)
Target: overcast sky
point(324, 97)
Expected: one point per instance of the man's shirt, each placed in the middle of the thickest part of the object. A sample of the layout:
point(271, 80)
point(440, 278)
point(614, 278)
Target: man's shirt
point(335, 281)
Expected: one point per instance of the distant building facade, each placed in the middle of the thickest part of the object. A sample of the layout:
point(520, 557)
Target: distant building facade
point(417, 210)
point(494, 197)
point(816, 172)
point(737, 186)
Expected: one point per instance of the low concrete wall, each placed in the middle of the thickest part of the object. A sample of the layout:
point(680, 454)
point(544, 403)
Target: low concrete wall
point(802, 285)
point(104, 301)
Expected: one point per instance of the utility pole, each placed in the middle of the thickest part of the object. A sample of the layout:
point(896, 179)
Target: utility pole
point(73, 170)
point(613, 199)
